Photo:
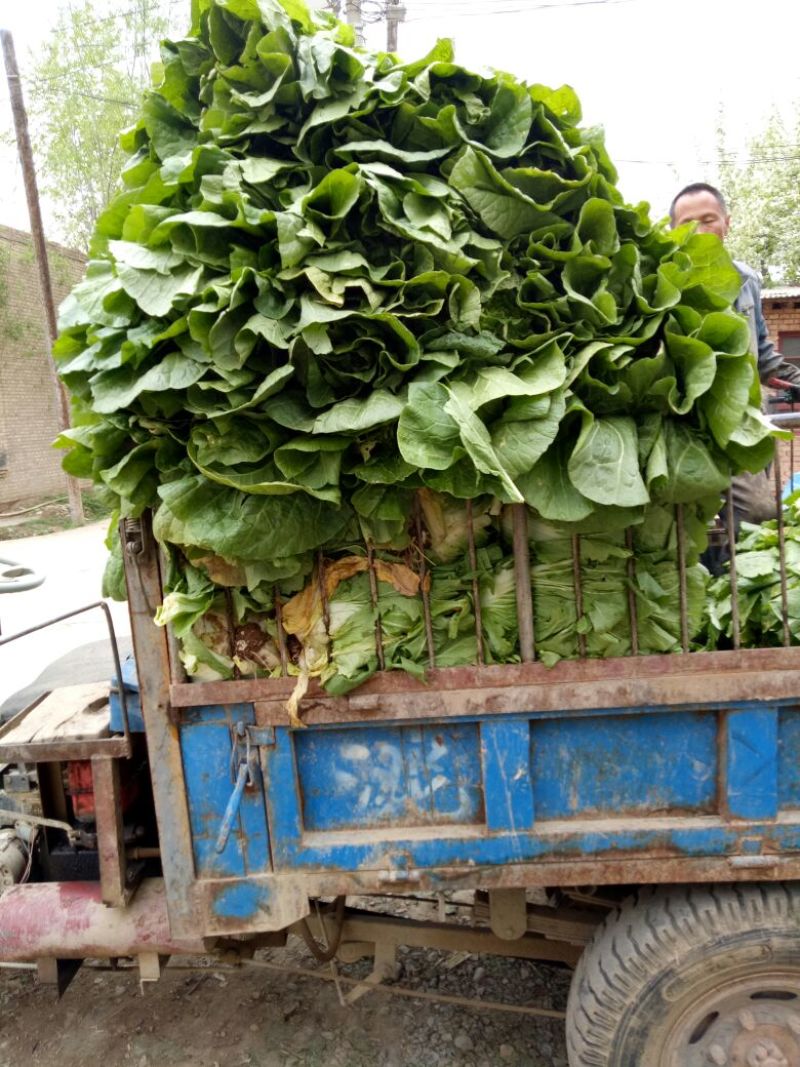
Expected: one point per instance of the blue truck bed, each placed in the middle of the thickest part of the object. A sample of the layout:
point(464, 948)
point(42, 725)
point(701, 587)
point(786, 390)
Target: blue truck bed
point(547, 777)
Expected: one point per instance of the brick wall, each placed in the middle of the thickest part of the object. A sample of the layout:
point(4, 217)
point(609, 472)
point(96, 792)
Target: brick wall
point(782, 316)
point(29, 467)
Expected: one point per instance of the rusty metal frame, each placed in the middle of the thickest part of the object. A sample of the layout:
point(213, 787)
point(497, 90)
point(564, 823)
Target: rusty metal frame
point(117, 881)
point(674, 680)
point(369, 928)
point(151, 647)
point(614, 868)
point(576, 926)
point(51, 751)
point(522, 578)
point(63, 749)
point(424, 581)
point(46, 751)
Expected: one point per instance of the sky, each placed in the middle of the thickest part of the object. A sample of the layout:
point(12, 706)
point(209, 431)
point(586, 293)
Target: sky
point(656, 74)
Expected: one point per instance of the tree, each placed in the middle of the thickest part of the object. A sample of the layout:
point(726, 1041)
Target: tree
point(763, 193)
point(86, 88)
point(83, 91)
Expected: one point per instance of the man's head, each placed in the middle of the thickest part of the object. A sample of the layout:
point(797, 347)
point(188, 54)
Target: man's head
point(703, 204)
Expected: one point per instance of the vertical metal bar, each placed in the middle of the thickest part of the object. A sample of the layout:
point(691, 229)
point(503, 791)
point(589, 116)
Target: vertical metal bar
point(731, 527)
point(177, 673)
point(424, 582)
point(787, 635)
point(791, 455)
point(323, 592)
point(123, 696)
point(51, 789)
point(476, 589)
point(632, 612)
point(110, 832)
point(681, 532)
point(163, 735)
point(373, 592)
point(522, 581)
point(281, 633)
point(231, 629)
point(576, 581)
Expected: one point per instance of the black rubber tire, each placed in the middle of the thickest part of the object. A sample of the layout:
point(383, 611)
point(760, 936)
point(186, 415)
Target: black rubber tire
point(661, 951)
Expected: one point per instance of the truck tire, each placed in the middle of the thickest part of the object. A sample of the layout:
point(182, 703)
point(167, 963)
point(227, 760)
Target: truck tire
point(691, 977)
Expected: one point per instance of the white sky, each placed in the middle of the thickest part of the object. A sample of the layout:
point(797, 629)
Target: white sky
point(655, 73)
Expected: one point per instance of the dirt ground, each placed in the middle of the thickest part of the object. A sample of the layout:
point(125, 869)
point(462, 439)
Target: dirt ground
point(217, 1017)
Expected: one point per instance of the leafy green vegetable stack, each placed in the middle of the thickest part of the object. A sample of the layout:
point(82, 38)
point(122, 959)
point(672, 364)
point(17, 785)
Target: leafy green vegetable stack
point(334, 282)
point(758, 578)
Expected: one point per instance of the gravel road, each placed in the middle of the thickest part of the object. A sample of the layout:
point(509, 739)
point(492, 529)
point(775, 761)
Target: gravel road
point(218, 1017)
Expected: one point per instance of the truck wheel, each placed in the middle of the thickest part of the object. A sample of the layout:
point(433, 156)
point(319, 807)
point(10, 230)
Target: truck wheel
point(691, 977)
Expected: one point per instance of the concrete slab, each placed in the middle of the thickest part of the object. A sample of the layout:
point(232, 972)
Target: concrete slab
point(72, 562)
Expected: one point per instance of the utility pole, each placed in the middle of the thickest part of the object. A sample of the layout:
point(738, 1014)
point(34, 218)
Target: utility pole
point(354, 17)
point(39, 245)
point(395, 13)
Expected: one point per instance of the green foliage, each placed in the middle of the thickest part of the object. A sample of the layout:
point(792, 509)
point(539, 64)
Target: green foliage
point(334, 281)
point(62, 269)
point(86, 86)
point(764, 199)
point(15, 327)
point(758, 577)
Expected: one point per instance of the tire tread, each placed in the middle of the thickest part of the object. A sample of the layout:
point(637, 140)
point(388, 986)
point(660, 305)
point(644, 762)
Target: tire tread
point(646, 937)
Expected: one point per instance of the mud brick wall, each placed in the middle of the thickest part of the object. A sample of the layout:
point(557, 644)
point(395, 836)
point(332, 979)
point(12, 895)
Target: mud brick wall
point(30, 468)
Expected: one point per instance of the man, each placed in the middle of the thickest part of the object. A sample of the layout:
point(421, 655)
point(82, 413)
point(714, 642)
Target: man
point(753, 494)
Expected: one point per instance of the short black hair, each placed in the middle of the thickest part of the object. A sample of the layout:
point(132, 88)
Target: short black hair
point(697, 187)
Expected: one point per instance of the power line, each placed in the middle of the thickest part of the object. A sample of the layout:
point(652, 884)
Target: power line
point(491, 12)
point(745, 162)
point(486, 6)
point(709, 162)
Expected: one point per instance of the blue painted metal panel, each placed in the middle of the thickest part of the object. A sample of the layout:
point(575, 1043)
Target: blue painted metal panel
point(751, 778)
point(648, 764)
point(209, 771)
point(506, 754)
point(469, 793)
point(212, 864)
point(363, 777)
point(242, 900)
point(133, 703)
point(789, 758)
point(473, 849)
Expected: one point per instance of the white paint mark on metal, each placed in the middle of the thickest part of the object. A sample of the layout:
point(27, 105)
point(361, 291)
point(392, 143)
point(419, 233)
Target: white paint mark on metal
point(354, 751)
point(344, 780)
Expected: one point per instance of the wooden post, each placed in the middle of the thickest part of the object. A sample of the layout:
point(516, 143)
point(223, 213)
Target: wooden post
point(39, 245)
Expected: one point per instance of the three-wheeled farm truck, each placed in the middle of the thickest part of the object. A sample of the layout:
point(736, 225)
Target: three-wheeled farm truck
point(416, 427)
point(655, 798)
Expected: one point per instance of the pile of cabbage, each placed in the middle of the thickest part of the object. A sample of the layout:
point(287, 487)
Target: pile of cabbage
point(338, 297)
point(758, 585)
